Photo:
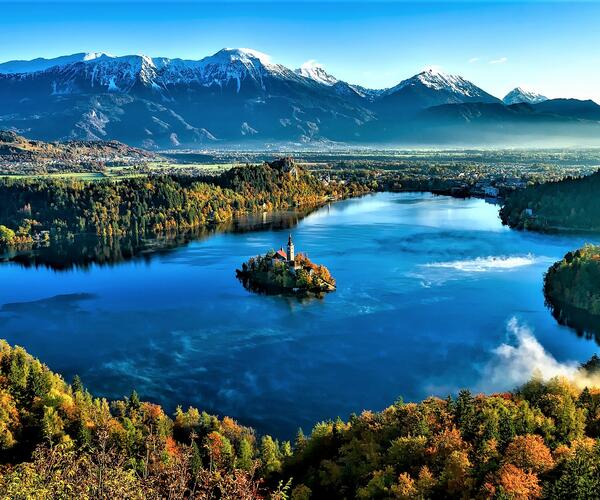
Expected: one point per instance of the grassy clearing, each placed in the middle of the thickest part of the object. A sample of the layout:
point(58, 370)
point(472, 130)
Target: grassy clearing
point(116, 173)
point(84, 176)
point(208, 167)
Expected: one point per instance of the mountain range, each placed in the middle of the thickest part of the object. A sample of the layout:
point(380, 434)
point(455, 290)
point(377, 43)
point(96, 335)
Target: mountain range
point(240, 96)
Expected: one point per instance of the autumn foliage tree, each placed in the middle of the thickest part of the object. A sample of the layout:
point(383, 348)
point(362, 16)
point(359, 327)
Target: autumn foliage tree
point(530, 453)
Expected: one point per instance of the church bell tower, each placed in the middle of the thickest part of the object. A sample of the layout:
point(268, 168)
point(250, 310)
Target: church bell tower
point(290, 249)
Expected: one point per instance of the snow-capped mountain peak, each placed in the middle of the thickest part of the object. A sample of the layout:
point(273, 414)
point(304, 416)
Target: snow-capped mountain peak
point(432, 87)
point(523, 95)
point(315, 71)
point(238, 65)
point(238, 69)
point(245, 55)
point(438, 80)
point(114, 74)
point(121, 73)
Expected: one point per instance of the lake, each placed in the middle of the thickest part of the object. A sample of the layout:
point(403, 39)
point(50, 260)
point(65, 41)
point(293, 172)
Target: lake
point(434, 295)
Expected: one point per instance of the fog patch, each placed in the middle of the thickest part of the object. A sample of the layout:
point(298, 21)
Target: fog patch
point(515, 362)
point(487, 264)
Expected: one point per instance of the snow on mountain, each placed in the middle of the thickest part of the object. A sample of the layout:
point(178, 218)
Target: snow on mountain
point(232, 67)
point(113, 74)
point(520, 95)
point(41, 64)
point(315, 71)
point(220, 69)
point(242, 94)
point(437, 80)
point(120, 74)
point(369, 94)
point(227, 67)
point(236, 65)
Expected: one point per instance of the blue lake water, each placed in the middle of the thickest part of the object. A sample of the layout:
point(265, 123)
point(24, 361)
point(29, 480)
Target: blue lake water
point(434, 294)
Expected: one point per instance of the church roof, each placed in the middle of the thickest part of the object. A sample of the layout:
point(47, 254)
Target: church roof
point(281, 253)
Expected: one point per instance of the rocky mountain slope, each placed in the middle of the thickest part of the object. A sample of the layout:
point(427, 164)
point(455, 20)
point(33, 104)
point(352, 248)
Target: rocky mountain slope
point(241, 96)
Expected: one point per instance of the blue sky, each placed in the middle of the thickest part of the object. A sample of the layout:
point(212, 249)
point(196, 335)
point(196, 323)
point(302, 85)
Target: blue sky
point(552, 47)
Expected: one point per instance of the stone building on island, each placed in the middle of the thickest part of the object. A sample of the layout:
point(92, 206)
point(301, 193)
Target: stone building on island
point(289, 256)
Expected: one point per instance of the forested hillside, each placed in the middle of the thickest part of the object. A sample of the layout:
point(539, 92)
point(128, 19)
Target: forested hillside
point(58, 441)
point(572, 204)
point(30, 209)
point(19, 155)
point(540, 441)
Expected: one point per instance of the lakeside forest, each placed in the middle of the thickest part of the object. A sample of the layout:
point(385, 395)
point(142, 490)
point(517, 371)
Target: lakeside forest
point(58, 441)
point(51, 209)
point(571, 204)
point(39, 209)
point(572, 291)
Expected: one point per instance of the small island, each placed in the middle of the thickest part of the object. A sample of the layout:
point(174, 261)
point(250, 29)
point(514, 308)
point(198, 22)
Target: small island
point(285, 272)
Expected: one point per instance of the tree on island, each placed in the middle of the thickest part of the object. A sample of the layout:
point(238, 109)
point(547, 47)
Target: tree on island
point(290, 272)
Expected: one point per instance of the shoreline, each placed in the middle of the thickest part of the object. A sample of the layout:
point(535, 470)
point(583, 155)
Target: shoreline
point(38, 241)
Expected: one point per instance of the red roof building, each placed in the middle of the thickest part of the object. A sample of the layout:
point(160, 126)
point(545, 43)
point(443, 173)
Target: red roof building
point(280, 254)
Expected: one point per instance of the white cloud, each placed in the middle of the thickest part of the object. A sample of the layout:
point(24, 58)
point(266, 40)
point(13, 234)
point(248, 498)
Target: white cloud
point(501, 60)
point(473, 60)
point(311, 63)
point(513, 365)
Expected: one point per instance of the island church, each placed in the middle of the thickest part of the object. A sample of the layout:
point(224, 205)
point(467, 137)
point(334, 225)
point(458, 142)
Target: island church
point(288, 257)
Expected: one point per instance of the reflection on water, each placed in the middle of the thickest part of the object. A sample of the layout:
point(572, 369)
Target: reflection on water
point(86, 250)
point(426, 286)
point(255, 287)
point(584, 324)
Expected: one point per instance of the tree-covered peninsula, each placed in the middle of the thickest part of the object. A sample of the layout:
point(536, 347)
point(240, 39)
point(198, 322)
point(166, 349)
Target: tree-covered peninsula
point(571, 285)
point(575, 280)
point(285, 271)
point(571, 204)
point(59, 441)
point(44, 209)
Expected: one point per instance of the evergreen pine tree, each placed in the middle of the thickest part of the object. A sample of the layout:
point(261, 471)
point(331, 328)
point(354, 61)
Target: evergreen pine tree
point(77, 385)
